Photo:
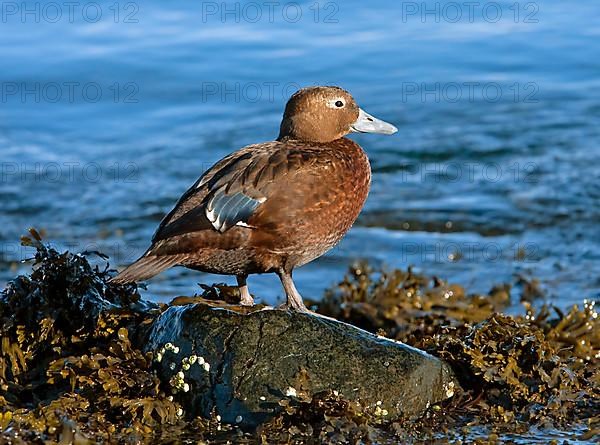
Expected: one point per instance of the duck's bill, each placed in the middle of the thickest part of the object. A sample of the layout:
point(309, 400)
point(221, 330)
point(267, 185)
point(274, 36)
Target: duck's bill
point(369, 124)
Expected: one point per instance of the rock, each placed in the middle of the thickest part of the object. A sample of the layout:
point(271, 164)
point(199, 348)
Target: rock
point(240, 366)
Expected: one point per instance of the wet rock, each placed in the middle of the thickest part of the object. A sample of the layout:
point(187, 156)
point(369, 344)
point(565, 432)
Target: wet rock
point(242, 366)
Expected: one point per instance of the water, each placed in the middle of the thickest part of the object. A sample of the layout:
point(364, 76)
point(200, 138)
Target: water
point(494, 173)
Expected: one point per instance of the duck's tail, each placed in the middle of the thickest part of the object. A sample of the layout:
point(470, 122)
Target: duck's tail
point(146, 267)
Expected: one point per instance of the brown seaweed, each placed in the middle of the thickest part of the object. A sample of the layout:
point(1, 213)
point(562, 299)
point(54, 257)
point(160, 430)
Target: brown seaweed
point(72, 370)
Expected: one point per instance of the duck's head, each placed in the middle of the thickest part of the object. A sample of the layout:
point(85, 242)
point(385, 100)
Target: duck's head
point(324, 114)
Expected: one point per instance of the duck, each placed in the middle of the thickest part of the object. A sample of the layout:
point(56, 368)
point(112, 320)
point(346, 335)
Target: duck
point(274, 206)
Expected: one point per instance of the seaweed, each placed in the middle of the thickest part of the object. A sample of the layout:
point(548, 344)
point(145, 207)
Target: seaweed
point(73, 370)
point(540, 369)
point(68, 370)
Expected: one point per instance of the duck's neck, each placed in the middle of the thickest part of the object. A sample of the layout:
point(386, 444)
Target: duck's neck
point(289, 138)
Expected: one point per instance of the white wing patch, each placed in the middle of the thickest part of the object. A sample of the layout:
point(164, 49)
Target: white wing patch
point(225, 211)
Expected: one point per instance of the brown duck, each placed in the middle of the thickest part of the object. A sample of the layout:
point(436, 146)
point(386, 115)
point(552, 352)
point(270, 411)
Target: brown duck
point(273, 206)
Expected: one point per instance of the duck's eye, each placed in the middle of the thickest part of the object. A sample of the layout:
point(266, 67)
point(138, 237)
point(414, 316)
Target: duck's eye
point(336, 102)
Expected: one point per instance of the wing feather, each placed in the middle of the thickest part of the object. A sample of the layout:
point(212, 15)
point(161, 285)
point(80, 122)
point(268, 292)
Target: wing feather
point(230, 192)
point(225, 211)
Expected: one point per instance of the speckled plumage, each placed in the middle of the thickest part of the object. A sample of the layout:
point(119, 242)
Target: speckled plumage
point(273, 206)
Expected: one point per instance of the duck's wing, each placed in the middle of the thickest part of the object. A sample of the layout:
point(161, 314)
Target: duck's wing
point(231, 191)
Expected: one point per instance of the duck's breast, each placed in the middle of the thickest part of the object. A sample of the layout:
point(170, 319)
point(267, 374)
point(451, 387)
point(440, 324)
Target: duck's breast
point(310, 209)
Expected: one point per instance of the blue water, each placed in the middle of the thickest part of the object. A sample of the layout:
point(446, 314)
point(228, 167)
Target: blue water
point(494, 173)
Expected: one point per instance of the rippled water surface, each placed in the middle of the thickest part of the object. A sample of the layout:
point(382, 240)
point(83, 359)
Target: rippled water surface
point(493, 175)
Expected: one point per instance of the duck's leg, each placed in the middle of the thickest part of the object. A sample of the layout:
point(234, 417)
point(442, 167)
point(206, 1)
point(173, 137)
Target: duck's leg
point(246, 299)
point(294, 299)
